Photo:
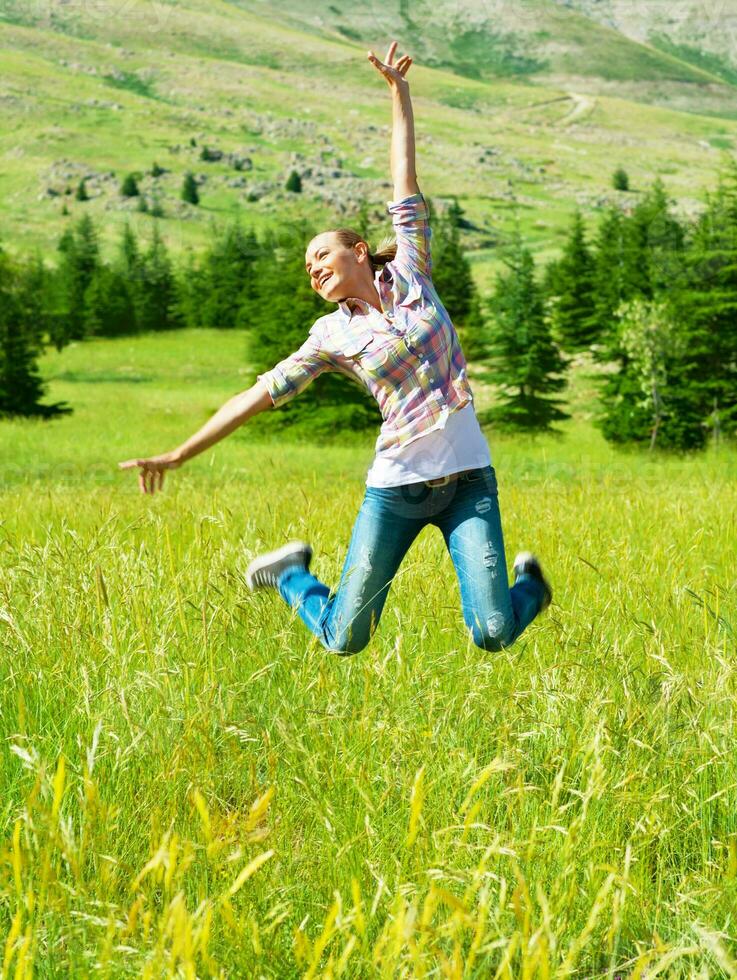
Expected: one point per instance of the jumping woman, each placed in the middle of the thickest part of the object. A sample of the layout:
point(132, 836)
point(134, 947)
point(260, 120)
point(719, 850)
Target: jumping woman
point(390, 332)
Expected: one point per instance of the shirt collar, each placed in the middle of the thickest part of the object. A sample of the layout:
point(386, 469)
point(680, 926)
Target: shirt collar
point(360, 305)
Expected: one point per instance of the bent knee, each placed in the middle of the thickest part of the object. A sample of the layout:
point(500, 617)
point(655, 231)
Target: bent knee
point(494, 633)
point(346, 644)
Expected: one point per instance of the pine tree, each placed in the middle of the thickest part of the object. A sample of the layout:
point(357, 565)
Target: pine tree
point(34, 298)
point(640, 257)
point(294, 182)
point(80, 257)
point(227, 277)
point(158, 308)
point(474, 333)
point(129, 187)
point(129, 253)
point(21, 387)
point(574, 300)
point(130, 270)
point(454, 283)
point(109, 308)
point(620, 276)
point(451, 270)
point(189, 190)
point(81, 192)
point(191, 287)
point(706, 303)
point(615, 277)
point(522, 359)
point(661, 241)
point(621, 180)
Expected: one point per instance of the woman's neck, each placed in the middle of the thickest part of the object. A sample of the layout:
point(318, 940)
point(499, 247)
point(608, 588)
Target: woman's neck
point(369, 294)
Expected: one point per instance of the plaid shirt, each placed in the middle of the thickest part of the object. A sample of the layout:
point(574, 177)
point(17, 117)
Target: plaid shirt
point(408, 357)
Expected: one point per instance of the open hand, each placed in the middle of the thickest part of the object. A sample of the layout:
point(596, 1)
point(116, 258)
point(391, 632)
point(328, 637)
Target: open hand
point(151, 475)
point(393, 73)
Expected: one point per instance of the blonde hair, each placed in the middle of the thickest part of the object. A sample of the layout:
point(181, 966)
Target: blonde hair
point(385, 251)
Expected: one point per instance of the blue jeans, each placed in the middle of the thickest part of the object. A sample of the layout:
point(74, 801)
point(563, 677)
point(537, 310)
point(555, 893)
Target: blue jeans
point(467, 512)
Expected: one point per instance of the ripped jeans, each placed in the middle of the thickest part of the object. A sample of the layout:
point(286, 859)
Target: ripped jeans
point(467, 512)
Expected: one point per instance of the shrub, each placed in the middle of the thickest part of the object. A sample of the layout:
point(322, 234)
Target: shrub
point(189, 190)
point(621, 180)
point(294, 182)
point(129, 187)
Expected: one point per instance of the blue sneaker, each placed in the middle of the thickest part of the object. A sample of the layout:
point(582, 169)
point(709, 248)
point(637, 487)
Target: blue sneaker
point(264, 571)
point(527, 564)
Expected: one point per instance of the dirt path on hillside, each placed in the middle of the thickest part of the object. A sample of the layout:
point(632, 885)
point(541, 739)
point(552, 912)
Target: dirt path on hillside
point(583, 105)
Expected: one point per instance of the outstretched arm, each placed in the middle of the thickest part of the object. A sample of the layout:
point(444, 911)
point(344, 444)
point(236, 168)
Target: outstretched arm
point(233, 413)
point(403, 169)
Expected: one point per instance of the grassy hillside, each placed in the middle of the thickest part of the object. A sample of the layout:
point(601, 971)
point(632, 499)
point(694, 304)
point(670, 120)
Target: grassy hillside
point(565, 807)
point(90, 91)
point(489, 40)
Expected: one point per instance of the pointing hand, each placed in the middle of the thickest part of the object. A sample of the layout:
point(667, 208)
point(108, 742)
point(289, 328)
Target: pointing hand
point(393, 73)
point(151, 473)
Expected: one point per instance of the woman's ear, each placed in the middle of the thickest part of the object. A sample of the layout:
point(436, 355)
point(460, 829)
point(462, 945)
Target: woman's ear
point(361, 251)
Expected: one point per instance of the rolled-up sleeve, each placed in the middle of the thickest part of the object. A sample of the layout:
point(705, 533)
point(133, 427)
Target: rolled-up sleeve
point(295, 372)
point(410, 218)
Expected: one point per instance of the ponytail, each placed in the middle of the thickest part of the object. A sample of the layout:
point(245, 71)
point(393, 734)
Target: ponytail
point(385, 252)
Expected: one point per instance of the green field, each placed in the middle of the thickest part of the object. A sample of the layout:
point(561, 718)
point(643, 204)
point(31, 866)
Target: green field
point(190, 786)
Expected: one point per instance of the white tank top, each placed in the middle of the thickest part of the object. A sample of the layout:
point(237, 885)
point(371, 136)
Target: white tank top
point(460, 445)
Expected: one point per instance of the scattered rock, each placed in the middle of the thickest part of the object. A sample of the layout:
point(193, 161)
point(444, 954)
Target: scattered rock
point(210, 154)
point(261, 189)
point(238, 161)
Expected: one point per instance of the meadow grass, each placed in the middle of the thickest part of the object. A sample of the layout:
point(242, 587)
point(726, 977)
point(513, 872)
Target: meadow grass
point(191, 786)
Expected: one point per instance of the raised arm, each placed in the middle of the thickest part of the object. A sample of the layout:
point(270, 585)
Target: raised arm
point(403, 169)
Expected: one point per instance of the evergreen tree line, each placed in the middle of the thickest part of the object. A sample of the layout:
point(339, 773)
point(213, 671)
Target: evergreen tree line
point(653, 297)
point(240, 281)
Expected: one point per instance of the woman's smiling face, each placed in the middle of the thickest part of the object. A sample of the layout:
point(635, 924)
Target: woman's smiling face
point(332, 267)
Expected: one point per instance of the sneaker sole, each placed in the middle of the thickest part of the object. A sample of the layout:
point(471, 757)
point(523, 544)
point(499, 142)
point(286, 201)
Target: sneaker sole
point(273, 556)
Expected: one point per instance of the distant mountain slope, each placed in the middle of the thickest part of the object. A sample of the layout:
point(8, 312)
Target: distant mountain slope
point(613, 46)
point(705, 26)
point(241, 93)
